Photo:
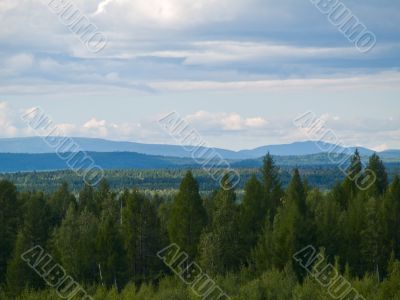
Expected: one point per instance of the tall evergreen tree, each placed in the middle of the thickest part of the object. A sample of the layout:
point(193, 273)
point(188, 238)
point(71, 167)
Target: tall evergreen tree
point(73, 243)
point(391, 215)
point(354, 222)
point(87, 200)
point(252, 214)
point(353, 175)
point(188, 216)
point(9, 209)
point(142, 237)
point(110, 254)
point(59, 203)
point(291, 230)
point(34, 232)
point(220, 249)
point(380, 184)
point(272, 185)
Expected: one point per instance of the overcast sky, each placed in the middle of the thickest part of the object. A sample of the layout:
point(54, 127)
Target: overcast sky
point(239, 70)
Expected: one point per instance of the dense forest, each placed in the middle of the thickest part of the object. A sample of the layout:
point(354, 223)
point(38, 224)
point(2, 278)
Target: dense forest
point(322, 176)
point(261, 247)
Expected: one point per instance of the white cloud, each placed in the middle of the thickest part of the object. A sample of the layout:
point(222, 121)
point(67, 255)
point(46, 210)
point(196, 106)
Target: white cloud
point(7, 127)
point(383, 80)
point(219, 129)
point(380, 148)
point(169, 12)
point(224, 121)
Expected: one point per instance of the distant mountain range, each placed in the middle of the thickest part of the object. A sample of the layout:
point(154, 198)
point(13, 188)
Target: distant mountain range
point(33, 154)
point(36, 145)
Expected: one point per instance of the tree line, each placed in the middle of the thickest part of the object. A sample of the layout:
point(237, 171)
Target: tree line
point(108, 241)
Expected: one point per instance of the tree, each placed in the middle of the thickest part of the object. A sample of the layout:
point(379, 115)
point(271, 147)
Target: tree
point(354, 222)
point(296, 193)
point(353, 175)
point(87, 200)
point(220, 248)
point(188, 216)
point(391, 214)
point(252, 214)
point(60, 202)
point(8, 223)
point(272, 186)
point(291, 228)
point(142, 236)
point(380, 184)
point(34, 232)
point(110, 253)
point(74, 242)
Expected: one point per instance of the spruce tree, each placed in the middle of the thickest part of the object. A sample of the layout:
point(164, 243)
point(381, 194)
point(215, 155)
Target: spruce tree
point(110, 255)
point(353, 175)
point(59, 203)
point(380, 184)
point(141, 234)
point(291, 230)
point(252, 214)
point(220, 249)
point(188, 216)
point(34, 232)
point(9, 209)
point(272, 186)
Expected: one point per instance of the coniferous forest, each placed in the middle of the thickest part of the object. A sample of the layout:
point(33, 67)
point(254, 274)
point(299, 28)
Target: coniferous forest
point(295, 242)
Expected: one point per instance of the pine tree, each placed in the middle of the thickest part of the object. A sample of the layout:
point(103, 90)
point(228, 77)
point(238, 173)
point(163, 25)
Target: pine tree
point(380, 184)
point(87, 200)
point(9, 209)
point(296, 193)
point(391, 215)
point(110, 254)
point(142, 237)
point(291, 230)
point(220, 249)
point(252, 214)
point(34, 232)
point(73, 243)
point(354, 222)
point(188, 216)
point(353, 175)
point(272, 186)
point(60, 202)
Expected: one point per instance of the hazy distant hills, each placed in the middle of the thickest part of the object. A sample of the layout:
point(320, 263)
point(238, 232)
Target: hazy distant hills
point(33, 154)
point(21, 162)
point(34, 145)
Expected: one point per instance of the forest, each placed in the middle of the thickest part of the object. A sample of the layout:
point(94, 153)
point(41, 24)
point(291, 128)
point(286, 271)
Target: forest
point(279, 240)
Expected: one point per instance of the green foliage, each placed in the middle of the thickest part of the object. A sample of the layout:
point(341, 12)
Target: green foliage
point(8, 223)
point(108, 239)
point(188, 216)
point(272, 185)
point(220, 249)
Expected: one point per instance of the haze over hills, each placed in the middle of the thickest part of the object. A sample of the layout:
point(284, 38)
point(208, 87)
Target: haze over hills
point(36, 145)
point(33, 154)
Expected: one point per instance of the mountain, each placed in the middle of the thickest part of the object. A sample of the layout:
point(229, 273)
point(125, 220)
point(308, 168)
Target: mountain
point(318, 159)
point(20, 162)
point(36, 145)
point(301, 148)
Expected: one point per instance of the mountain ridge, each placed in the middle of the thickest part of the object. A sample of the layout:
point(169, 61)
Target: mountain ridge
point(37, 145)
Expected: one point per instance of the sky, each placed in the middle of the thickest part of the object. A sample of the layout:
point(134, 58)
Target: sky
point(240, 71)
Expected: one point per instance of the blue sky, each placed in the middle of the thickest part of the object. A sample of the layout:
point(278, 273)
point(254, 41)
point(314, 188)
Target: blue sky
point(239, 70)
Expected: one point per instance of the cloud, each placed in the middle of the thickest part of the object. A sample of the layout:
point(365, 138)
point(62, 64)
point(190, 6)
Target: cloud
point(384, 80)
point(169, 12)
point(7, 128)
point(219, 129)
point(204, 120)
